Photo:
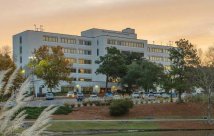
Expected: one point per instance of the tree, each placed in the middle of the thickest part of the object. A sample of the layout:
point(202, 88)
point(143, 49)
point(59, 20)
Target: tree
point(151, 75)
point(6, 62)
point(132, 76)
point(143, 74)
point(184, 59)
point(17, 82)
point(204, 77)
point(133, 56)
point(167, 83)
point(112, 65)
point(51, 66)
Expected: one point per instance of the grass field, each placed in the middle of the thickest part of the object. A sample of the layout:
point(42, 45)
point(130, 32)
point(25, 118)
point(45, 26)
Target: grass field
point(69, 126)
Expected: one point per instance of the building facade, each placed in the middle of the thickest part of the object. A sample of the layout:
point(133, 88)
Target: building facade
point(82, 51)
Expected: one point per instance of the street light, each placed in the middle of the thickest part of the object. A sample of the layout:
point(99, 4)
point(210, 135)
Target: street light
point(32, 60)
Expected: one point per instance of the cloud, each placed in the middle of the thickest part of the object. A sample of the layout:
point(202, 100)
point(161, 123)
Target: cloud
point(159, 20)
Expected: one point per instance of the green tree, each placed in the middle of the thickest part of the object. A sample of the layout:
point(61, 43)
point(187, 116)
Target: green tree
point(51, 66)
point(151, 76)
point(112, 65)
point(143, 74)
point(184, 60)
point(132, 76)
point(133, 56)
point(167, 83)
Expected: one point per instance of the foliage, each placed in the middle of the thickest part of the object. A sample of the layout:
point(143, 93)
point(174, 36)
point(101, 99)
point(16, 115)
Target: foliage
point(144, 74)
point(34, 112)
point(51, 66)
point(5, 62)
point(63, 110)
point(204, 77)
point(133, 56)
point(184, 60)
point(120, 107)
point(112, 64)
point(5, 80)
point(17, 82)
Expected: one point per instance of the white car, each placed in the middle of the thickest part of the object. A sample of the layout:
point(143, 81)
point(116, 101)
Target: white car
point(165, 95)
point(116, 97)
point(71, 94)
point(93, 97)
point(135, 95)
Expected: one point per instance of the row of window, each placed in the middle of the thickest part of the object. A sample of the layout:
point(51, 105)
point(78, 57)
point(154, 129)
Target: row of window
point(68, 40)
point(125, 43)
point(75, 51)
point(50, 38)
point(158, 50)
point(158, 58)
point(81, 71)
point(82, 79)
point(80, 61)
point(65, 40)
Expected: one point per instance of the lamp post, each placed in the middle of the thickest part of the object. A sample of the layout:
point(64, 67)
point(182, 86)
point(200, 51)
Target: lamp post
point(33, 59)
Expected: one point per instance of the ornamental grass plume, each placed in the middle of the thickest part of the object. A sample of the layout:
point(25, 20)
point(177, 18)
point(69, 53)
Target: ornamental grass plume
point(12, 124)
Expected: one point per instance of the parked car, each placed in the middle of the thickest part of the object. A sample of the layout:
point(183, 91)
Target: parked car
point(49, 96)
point(165, 95)
point(157, 94)
point(151, 96)
point(135, 95)
point(116, 97)
point(71, 94)
point(93, 97)
point(80, 96)
point(108, 94)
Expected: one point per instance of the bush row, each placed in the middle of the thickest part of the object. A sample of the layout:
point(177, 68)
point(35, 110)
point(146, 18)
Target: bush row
point(34, 112)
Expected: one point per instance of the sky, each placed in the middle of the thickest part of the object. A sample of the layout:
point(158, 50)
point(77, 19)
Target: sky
point(160, 21)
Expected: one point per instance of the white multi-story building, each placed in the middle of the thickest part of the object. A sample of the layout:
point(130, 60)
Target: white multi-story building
point(83, 50)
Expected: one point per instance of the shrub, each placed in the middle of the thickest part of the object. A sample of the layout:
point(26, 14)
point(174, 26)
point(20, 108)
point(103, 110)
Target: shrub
point(34, 112)
point(120, 107)
point(63, 110)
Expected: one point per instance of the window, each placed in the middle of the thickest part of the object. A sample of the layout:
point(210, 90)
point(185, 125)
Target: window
point(84, 71)
point(85, 79)
point(85, 52)
point(50, 38)
point(70, 50)
point(67, 40)
point(73, 70)
point(20, 49)
point(125, 43)
point(20, 40)
point(84, 42)
point(20, 59)
point(71, 60)
point(97, 52)
point(84, 61)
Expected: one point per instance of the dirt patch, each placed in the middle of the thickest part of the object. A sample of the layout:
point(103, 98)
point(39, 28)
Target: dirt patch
point(186, 110)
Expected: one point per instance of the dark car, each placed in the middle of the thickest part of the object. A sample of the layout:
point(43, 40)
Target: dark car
point(49, 96)
point(80, 96)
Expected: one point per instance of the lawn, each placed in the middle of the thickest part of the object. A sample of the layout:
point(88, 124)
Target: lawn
point(96, 125)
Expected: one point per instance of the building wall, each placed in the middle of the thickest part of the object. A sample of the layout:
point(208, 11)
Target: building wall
point(99, 39)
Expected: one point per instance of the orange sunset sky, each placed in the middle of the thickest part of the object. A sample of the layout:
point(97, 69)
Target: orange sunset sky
point(154, 20)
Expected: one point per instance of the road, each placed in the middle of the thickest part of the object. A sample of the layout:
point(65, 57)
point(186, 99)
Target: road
point(57, 102)
point(39, 103)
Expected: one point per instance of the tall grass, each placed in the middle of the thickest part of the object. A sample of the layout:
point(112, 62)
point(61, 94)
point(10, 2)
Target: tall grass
point(12, 126)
